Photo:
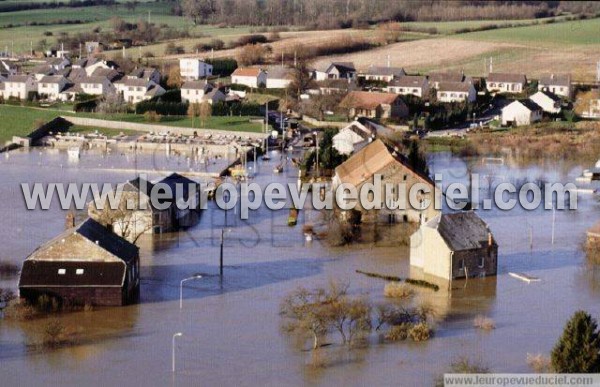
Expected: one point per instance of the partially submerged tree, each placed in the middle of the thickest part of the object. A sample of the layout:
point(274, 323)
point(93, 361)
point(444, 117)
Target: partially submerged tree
point(578, 349)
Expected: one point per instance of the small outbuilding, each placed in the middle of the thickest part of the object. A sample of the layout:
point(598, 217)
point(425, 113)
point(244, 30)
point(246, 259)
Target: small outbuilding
point(87, 264)
point(453, 246)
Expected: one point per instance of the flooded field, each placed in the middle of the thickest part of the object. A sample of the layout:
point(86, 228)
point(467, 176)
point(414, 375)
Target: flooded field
point(232, 328)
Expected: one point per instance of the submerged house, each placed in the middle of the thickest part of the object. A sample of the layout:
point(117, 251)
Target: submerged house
point(87, 264)
point(453, 246)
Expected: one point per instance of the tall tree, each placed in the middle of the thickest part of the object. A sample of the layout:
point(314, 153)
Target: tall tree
point(199, 10)
point(578, 349)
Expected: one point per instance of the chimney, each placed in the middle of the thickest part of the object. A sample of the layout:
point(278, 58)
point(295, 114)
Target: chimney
point(69, 220)
point(490, 239)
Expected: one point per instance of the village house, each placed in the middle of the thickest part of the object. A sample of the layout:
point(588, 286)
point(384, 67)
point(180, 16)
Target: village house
point(435, 79)
point(523, 112)
point(7, 68)
point(456, 92)
point(51, 87)
point(91, 64)
point(506, 83)
point(193, 69)
point(97, 85)
point(249, 76)
point(85, 265)
point(184, 212)
point(334, 86)
point(42, 71)
point(145, 73)
point(353, 137)
point(201, 91)
point(590, 106)
point(144, 218)
point(19, 86)
point(557, 84)
point(378, 159)
point(385, 74)
point(453, 246)
point(409, 85)
point(279, 78)
point(549, 102)
point(335, 70)
point(134, 90)
point(375, 105)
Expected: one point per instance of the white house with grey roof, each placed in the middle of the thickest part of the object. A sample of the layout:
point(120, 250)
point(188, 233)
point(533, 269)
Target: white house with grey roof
point(549, 102)
point(134, 90)
point(279, 78)
point(193, 69)
point(50, 87)
point(201, 91)
point(456, 92)
point(19, 86)
point(97, 85)
point(453, 246)
point(523, 112)
point(335, 70)
point(558, 84)
point(409, 85)
point(506, 83)
point(382, 73)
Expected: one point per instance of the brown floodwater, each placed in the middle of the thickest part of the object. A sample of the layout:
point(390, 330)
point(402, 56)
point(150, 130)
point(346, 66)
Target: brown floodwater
point(232, 329)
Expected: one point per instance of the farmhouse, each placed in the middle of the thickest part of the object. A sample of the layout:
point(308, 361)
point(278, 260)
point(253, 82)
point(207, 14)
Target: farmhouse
point(201, 91)
point(506, 83)
point(453, 246)
point(377, 159)
point(335, 70)
point(456, 92)
point(558, 84)
point(375, 105)
point(409, 85)
point(279, 78)
point(385, 74)
point(192, 69)
point(523, 112)
point(87, 264)
point(549, 102)
point(251, 77)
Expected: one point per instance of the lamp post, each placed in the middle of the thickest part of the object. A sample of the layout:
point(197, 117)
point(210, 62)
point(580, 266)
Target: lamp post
point(178, 334)
point(197, 276)
point(316, 134)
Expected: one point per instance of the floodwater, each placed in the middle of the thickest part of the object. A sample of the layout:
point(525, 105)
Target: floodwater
point(232, 329)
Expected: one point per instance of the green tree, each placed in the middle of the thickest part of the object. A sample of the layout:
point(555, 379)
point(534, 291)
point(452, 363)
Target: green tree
point(416, 158)
point(329, 157)
point(578, 349)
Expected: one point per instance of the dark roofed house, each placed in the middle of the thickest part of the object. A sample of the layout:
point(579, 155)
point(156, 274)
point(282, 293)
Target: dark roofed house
point(455, 245)
point(456, 92)
point(409, 85)
point(335, 70)
point(436, 78)
point(184, 190)
point(558, 84)
point(88, 264)
point(506, 83)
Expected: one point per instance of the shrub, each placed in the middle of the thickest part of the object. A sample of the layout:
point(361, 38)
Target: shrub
point(152, 116)
point(420, 332)
point(252, 39)
point(18, 309)
point(398, 290)
point(398, 332)
point(8, 269)
point(172, 49)
point(539, 363)
point(485, 323)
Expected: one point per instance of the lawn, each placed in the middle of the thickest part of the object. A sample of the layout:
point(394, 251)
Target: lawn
point(570, 33)
point(19, 121)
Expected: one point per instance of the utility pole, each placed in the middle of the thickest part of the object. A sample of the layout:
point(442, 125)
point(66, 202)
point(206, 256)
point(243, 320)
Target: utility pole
point(221, 254)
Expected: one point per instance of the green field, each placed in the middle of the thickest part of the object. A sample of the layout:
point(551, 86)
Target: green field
point(578, 32)
point(20, 121)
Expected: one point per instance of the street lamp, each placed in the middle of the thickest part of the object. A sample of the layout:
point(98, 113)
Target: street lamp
point(197, 276)
point(178, 334)
point(316, 134)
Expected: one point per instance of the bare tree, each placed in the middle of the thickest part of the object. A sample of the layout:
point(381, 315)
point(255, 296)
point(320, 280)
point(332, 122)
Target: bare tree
point(127, 220)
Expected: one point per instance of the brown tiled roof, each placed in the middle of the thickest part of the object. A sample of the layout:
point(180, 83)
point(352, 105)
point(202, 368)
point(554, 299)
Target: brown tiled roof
point(247, 72)
point(507, 78)
point(368, 100)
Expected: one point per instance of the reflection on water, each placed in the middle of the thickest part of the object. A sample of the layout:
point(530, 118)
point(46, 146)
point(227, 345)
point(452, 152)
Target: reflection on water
point(231, 328)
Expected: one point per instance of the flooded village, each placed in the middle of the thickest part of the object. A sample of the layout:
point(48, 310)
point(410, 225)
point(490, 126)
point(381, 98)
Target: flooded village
point(417, 270)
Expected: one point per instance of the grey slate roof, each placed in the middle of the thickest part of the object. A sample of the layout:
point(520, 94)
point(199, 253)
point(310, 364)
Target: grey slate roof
point(555, 79)
point(446, 77)
point(197, 85)
point(381, 70)
point(454, 86)
point(408, 81)
point(507, 78)
point(461, 230)
point(107, 240)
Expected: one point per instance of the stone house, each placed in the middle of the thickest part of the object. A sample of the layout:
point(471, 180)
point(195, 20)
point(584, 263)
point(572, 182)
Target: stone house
point(506, 83)
point(456, 92)
point(374, 105)
point(409, 85)
point(523, 112)
point(385, 74)
point(87, 264)
point(453, 246)
point(376, 158)
point(335, 70)
point(249, 76)
point(557, 84)
point(549, 102)
point(193, 69)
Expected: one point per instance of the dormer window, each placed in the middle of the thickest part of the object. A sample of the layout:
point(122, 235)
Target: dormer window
point(79, 272)
point(62, 271)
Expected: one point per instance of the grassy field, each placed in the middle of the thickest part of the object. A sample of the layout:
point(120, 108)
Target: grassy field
point(454, 26)
point(20, 121)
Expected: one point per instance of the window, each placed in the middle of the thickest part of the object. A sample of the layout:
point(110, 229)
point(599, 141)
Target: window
point(461, 264)
point(79, 271)
point(62, 271)
point(481, 261)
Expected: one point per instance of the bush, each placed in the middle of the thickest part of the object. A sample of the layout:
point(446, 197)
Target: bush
point(398, 290)
point(252, 39)
point(152, 116)
point(398, 332)
point(420, 332)
point(223, 67)
point(485, 323)
point(538, 363)
point(18, 309)
point(172, 49)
